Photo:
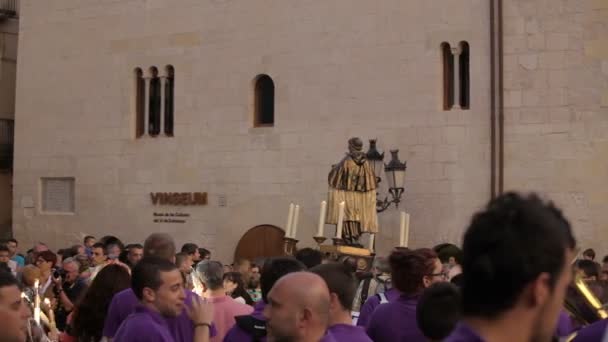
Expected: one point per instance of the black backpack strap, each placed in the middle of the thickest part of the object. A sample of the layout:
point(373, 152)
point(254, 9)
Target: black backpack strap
point(365, 290)
point(254, 327)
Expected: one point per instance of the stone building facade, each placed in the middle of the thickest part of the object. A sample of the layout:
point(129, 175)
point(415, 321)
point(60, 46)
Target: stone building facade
point(340, 68)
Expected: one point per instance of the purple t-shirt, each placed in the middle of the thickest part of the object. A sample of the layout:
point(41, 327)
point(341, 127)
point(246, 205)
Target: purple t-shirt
point(372, 303)
point(124, 303)
point(144, 325)
point(463, 333)
point(396, 321)
point(593, 332)
point(238, 334)
point(349, 333)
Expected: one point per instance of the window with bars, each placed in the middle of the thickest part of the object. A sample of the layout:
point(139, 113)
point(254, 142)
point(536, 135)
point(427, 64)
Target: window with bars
point(456, 76)
point(154, 101)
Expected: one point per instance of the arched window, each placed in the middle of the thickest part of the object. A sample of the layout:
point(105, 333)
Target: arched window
point(464, 75)
point(263, 101)
point(140, 102)
point(169, 92)
point(448, 76)
point(154, 102)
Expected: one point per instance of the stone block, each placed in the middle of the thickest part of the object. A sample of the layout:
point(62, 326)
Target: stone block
point(557, 41)
point(597, 48)
point(528, 62)
point(513, 99)
point(552, 60)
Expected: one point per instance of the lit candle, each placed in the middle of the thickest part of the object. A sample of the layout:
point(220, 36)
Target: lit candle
point(405, 229)
point(51, 313)
point(294, 223)
point(322, 218)
point(340, 220)
point(37, 301)
point(289, 220)
point(371, 241)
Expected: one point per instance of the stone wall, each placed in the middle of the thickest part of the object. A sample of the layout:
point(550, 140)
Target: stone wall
point(556, 80)
point(341, 69)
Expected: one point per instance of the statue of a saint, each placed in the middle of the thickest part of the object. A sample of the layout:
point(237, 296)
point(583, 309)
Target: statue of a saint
point(352, 181)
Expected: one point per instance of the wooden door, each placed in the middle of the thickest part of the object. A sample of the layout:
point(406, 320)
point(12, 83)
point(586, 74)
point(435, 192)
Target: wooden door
point(260, 242)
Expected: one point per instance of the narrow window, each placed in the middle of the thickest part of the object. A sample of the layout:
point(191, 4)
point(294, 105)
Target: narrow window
point(154, 124)
point(140, 104)
point(169, 91)
point(448, 76)
point(264, 101)
point(464, 76)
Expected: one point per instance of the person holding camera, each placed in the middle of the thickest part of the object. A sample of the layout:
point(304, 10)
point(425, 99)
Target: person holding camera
point(68, 287)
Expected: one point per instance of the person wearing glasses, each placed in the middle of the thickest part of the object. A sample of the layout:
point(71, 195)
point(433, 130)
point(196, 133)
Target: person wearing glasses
point(413, 271)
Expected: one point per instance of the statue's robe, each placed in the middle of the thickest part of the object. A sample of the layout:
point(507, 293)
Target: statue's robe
point(353, 181)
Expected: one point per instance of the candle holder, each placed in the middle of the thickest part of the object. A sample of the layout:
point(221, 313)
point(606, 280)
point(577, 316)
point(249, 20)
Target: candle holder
point(290, 245)
point(338, 241)
point(319, 240)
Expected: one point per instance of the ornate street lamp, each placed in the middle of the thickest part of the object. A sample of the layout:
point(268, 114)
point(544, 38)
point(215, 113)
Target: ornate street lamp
point(376, 159)
point(395, 175)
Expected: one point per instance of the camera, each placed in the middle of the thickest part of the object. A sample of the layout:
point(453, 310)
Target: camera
point(59, 272)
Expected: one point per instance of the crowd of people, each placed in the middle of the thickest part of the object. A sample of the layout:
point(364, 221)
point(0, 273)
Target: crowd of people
point(514, 279)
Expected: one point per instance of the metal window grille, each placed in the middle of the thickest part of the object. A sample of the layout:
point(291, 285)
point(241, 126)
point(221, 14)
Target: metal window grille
point(9, 9)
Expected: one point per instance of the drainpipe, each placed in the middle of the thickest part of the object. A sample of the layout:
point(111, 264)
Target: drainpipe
point(496, 99)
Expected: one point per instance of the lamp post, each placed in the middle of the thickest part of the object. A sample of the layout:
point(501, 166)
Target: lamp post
point(395, 175)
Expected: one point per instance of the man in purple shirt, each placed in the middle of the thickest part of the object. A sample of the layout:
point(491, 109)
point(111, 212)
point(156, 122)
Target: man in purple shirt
point(159, 286)
point(516, 269)
point(298, 309)
point(342, 289)
point(123, 304)
point(253, 327)
point(413, 271)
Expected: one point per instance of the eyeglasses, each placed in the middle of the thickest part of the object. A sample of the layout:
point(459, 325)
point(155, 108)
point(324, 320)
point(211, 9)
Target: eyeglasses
point(441, 274)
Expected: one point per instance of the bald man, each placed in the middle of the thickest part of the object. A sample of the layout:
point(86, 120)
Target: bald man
point(298, 309)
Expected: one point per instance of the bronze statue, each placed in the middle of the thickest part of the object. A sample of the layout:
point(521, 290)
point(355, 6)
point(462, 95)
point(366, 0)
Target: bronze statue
point(352, 181)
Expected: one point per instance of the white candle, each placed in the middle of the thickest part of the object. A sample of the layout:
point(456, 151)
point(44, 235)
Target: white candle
point(37, 301)
point(371, 241)
point(289, 220)
point(405, 229)
point(340, 220)
point(294, 224)
point(322, 218)
point(51, 313)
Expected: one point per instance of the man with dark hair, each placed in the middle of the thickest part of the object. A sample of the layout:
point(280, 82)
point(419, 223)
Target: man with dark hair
point(158, 245)
point(134, 254)
point(89, 241)
point(211, 275)
point(158, 286)
point(253, 327)
point(438, 311)
point(588, 270)
point(14, 314)
point(516, 269)
point(589, 254)
point(5, 259)
point(205, 254)
point(342, 288)
point(184, 263)
point(192, 250)
point(309, 257)
point(13, 247)
point(98, 260)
